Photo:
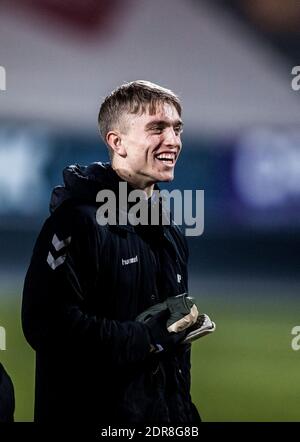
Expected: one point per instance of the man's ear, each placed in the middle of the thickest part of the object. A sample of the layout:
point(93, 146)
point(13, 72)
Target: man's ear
point(114, 140)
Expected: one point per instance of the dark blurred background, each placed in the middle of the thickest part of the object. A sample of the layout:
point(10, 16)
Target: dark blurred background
point(230, 62)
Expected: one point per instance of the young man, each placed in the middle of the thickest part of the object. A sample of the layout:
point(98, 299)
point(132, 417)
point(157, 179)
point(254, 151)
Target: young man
point(87, 283)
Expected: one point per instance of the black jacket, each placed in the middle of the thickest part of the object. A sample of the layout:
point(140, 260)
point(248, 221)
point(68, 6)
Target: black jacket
point(81, 296)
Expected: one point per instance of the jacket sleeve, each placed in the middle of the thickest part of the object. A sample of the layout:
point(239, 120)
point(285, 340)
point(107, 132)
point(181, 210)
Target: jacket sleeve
point(54, 311)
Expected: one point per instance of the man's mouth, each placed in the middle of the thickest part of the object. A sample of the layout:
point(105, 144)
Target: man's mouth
point(167, 158)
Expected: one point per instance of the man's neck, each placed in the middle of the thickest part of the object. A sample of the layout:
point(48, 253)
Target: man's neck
point(135, 181)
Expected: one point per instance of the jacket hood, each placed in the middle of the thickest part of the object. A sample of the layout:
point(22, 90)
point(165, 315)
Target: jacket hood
point(83, 183)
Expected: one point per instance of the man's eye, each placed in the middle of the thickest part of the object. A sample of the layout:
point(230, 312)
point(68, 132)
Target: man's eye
point(178, 130)
point(157, 130)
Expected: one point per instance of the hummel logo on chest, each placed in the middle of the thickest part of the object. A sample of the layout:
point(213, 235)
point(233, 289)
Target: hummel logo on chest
point(125, 262)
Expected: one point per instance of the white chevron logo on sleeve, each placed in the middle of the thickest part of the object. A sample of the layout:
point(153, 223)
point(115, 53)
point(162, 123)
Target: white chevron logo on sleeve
point(58, 245)
point(53, 263)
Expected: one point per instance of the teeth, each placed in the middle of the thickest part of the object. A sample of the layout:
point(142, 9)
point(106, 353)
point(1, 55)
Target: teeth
point(166, 156)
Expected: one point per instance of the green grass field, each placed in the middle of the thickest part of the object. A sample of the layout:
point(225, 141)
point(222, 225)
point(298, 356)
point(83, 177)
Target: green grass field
point(245, 371)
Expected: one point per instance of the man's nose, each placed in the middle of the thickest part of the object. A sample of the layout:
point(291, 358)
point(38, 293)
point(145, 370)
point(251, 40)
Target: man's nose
point(171, 138)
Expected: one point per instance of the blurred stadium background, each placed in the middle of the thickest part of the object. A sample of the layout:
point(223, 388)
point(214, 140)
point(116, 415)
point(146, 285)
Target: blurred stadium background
point(230, 61)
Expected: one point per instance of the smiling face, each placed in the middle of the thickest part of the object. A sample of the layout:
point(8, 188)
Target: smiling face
point(149, 146)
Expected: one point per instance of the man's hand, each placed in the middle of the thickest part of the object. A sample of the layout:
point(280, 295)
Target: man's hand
point(161, 338)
